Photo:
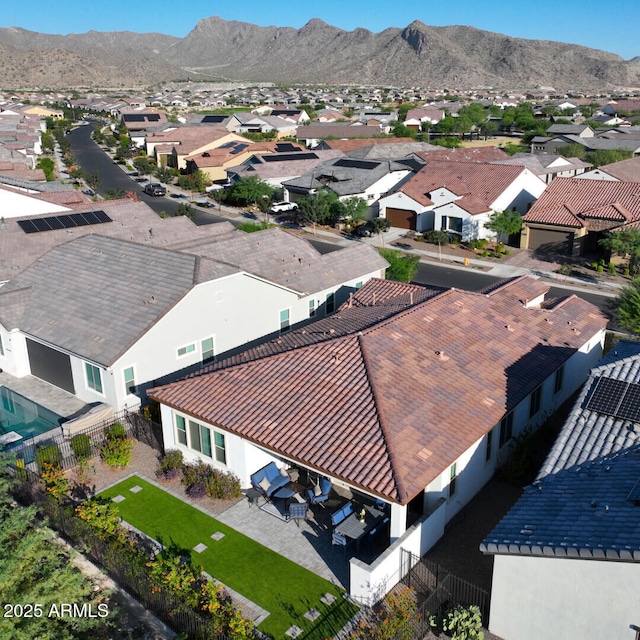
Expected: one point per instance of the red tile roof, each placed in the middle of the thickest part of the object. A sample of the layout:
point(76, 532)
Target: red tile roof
point(390, 407)
point(573, 202)
point(482, 182)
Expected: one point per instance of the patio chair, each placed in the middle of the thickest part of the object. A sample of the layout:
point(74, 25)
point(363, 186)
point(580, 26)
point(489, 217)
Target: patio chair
point(320, 493)
point(338, 540)
point(298, 511)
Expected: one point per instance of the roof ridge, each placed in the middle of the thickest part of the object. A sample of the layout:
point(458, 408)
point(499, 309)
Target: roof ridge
point(401, 491)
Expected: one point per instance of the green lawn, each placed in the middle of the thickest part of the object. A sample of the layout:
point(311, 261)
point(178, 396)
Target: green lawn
point(278, 585)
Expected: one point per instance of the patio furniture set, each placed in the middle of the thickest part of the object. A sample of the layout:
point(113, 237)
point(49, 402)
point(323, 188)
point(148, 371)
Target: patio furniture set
point(286, 498)
point(275, 484)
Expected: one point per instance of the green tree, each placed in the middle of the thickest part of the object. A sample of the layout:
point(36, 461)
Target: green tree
point(200, 180)
point(248, 191)
point(607, 156)
point(48, 141)
point(92, 180)
point(144, 165)
point(401, 131)
point(76, 173)
point(625, 242)
point(47, 165)
point(164, 175)
point(185, 209)
point(627, 306)
point(355, 209)
point(316, 207)
point(35, 568)
point(114, 193)
point(402, 267)
point(574, 150)
point(504, 223)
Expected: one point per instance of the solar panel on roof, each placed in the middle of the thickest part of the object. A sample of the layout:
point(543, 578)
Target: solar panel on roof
point(133, 117)
point(607, 395)
point(213, 118)
point(356, 164)
point(286, 157)
point(153, 117)
point(228, 145)
point(629, 408)
point(238, 149)
point(282, 147)
point(65, 221)
point(634, 494)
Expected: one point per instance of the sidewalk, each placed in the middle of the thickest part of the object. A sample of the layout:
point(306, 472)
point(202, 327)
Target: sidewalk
point(502, 270)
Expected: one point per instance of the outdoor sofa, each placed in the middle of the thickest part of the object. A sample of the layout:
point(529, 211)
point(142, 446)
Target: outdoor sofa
point(269, 479)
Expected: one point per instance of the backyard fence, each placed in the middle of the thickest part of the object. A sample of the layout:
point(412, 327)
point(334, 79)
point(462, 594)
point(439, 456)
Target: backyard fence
point(438, 590)
point(129, 575)
point(134, 423)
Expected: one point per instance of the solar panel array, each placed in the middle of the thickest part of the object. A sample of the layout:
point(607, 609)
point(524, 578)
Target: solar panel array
point(286, 157)
point(616, 398)
point(63, 221)
point(284, 147)
point(141, 117)
point(238, 149)
point(356, 164)
point(153, 117)
point(213, 118)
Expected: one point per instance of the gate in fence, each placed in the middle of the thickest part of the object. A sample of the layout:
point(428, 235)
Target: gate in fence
point(439, 590)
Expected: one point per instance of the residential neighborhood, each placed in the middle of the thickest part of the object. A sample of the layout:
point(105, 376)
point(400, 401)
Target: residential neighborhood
point(320, 322)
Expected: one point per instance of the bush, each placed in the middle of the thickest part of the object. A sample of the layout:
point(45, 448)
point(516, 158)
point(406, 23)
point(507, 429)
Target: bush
point(195, 472)
point(402, 267)
point(170, 464)
point(48, 454)
point(117, 447)
point(612, 268)
point(485, 254)
point(463, 623)
point(197, 491)
point(477, 244)
point(81, 446)
point(436, 237)
point(223, 486)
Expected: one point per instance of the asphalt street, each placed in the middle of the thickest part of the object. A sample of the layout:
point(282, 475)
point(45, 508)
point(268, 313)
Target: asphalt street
point(94, 160)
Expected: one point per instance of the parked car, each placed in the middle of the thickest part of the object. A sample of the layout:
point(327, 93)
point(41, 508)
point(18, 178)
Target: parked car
point(155, 189)
point(282, 207)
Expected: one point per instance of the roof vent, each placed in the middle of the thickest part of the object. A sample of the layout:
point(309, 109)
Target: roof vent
point(508, 327)
point(442, 356)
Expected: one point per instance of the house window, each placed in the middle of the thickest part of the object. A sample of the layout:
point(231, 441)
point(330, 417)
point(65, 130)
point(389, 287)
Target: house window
point(284, 321)
point(453, 476)
point(451, 223)
point(199, 438)
point(129, 380)
point(506, 429)
point(559, 380)
point(331, 302)
point(489, 445)
point(190, 348)
point(94, 378)
point(208, 352)
point(221, 454)
point(535, 402)
point(181, 430)
point(312, 308)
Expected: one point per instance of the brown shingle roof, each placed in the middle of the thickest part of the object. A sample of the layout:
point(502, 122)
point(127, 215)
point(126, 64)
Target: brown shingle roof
point(388, 408)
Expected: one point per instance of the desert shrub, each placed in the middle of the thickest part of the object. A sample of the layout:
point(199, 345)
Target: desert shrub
point(81, 446)
point(170, 465)
point(223, 485)
point(565, 269)
point(612, 268)
point(195, 472)
point(485, 254)
point(477, 244)
point(462, 623)
point(197, 490)
point(436, 237)
point(56, 485)
point(48, 454)
point(116, 448)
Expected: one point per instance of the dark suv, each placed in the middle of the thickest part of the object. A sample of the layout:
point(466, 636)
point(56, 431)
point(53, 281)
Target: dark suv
point(155, 189)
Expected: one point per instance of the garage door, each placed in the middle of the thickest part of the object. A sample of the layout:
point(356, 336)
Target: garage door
point(402, 218)
point(551, 241)
point(50, 365)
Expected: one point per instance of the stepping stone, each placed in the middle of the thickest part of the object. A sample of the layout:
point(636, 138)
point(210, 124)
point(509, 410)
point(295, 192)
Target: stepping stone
point(135, 489)
point(328, 598)
point(199, 548)
point(293, 632)
point(218, 535)
point(119, 499)
point(312, 614)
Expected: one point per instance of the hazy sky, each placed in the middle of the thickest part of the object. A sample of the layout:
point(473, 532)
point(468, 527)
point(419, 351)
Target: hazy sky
point(613, 27)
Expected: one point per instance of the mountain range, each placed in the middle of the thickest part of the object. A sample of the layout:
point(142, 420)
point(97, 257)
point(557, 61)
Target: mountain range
point(456, 57)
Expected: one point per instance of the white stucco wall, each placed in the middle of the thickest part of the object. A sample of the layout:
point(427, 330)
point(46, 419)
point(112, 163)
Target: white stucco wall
point(563, 599)
point(18, 204)
point(526, 188)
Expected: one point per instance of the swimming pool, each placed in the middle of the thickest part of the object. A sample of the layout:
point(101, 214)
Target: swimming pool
point(21, 418)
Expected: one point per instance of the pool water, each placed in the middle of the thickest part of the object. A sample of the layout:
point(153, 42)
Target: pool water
point(21, 418)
